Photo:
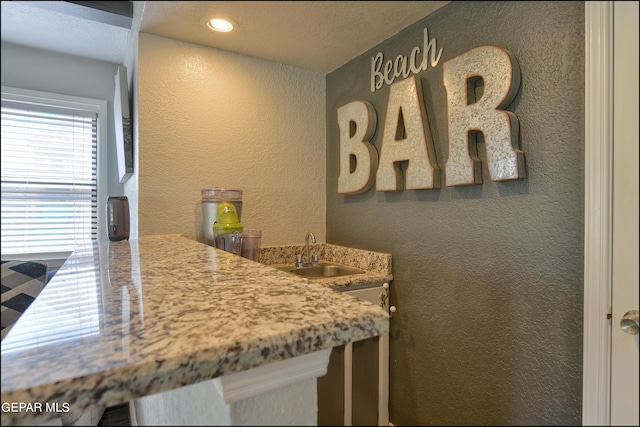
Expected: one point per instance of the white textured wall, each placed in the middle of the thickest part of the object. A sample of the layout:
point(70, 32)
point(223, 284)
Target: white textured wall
point(209, 118)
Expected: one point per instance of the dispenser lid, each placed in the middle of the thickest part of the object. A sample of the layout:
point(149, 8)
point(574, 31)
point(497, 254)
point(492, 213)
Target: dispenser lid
point(218, 194)
point(227, 228)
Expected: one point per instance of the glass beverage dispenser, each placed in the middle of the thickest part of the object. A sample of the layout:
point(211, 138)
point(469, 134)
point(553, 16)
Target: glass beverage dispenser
point(211, 199)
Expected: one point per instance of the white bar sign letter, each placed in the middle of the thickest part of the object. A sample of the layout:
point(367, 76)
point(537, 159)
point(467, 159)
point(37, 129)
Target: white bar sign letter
point(407, 137)
point(357, 122)
point(500, 73)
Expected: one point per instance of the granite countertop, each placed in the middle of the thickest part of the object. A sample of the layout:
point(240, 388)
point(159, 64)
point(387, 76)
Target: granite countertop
point(121, 320)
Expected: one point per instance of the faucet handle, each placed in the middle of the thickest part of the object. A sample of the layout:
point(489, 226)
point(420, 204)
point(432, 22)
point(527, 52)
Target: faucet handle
point(298, 258)
point(314, 259)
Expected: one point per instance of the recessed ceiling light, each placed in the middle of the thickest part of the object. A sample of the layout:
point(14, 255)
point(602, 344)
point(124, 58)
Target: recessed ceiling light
point(222, 25)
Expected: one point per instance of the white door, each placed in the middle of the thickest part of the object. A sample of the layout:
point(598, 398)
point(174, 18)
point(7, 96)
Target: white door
point(624, 279)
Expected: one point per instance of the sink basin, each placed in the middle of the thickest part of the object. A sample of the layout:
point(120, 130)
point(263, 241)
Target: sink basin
point(323, 270)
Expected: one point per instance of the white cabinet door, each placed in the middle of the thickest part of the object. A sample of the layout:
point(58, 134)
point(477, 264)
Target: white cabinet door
point(369, 294)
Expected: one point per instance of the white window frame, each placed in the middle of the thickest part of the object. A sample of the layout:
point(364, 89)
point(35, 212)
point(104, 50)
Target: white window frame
point(99, 106)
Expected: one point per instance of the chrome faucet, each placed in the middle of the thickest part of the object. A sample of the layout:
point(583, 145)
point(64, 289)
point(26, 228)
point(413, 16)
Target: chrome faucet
point(306, 244)
point(307, 261)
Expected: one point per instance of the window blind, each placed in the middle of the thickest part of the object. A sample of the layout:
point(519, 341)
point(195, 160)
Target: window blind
point(49, 177)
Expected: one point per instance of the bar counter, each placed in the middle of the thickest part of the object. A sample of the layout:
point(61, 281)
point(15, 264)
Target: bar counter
point(123, 320)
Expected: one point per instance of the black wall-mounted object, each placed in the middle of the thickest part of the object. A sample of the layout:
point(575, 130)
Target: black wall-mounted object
point(122, 120)
point(118, 218)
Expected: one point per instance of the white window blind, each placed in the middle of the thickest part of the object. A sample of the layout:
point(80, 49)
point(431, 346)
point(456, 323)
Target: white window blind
point(49, 177)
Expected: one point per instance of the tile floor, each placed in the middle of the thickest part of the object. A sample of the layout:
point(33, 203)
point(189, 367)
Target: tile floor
point(116, 416)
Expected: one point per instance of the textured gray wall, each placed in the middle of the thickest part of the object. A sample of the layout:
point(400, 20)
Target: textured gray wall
point(488, 279)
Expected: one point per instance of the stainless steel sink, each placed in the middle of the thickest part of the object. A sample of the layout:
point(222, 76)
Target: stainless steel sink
point(323, 270)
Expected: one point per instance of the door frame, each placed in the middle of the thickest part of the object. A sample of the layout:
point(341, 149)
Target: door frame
point(596, 390)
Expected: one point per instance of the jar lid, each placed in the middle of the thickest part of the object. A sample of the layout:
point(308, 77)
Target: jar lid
point(218, 194)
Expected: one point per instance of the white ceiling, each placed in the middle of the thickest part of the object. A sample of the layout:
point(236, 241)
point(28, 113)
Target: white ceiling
point(315, 35)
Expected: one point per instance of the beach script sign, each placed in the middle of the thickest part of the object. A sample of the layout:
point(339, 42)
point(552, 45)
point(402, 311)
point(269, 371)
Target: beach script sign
point(407, 138)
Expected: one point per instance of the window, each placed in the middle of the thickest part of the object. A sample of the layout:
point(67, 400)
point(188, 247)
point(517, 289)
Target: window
point(50, 188)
